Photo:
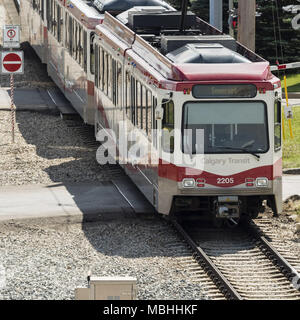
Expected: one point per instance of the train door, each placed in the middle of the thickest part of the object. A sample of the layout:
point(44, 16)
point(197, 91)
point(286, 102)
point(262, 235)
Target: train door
point(142, 151)
point(75, 76)
point(55, 37)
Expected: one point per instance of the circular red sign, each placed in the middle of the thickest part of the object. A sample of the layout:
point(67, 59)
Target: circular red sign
point(12, 62)
point(11, 33)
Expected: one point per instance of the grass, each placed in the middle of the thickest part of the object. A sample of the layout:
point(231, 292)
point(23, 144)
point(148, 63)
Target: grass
point(291, 147)
point(293, 83)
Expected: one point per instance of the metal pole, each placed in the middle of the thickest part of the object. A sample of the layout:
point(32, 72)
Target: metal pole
point(216, 13)
point(13, 111)
point(183, 14)
point(230, 7)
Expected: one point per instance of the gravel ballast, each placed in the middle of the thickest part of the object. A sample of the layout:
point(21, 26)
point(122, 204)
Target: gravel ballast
point(49, 262)
point(47, 151)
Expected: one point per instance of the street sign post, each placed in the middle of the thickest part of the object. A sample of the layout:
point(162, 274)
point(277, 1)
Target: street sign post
point(12, 63)
point(11, 36)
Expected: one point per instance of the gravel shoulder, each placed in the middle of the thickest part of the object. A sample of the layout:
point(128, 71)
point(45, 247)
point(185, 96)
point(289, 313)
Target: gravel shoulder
point(49, 262)
point(47, 151)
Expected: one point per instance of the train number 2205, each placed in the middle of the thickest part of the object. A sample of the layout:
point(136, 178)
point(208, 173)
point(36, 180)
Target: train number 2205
point(225, 180)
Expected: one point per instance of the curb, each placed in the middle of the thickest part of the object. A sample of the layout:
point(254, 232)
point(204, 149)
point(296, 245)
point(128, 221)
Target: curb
point(292, 95)
point(294, 171)
point(40, 108)
point(104, 217)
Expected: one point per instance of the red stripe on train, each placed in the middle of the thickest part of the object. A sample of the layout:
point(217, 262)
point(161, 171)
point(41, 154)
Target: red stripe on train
point(172, 172)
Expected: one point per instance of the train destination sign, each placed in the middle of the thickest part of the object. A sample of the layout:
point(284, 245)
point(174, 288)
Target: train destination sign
point(224, 91)
point(12, 62)
point(11, 36)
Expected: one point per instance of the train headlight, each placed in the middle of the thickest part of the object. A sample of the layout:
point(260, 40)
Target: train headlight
point(189, 183)
point(262, 182)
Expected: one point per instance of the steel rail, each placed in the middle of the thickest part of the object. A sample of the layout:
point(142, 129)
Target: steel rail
point(214, 273)
point(285, 267)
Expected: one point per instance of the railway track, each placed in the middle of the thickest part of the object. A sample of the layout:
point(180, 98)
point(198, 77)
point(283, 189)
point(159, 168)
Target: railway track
point(241, 262)
point(266, 226)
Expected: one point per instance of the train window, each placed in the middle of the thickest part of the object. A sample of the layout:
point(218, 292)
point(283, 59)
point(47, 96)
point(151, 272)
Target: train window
point(119, 84)
point(42, 7)
point(54, 22)
point(59, 23)
point(67, 31)
point(110, 77)
point(144, 109)
point(92, 53)
point(277, 125)
point(70, 46)
point(225, 127)
point(114, 82)
point(138, 104)
point(101, 69)
point(81, 60)
point(133, 100)
point(96, 66)
point(75, 55)
point(128, 93)
point(34, 4)
point(105, 75)
point(85, 48)
point(154, 123)
point(148, 114)
point(48, 3)
point(201, 91)
point(168, 124)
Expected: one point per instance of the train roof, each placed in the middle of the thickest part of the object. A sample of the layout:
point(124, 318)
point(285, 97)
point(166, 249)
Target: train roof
point(85, 11)
point(199, 52)
point(115, 7)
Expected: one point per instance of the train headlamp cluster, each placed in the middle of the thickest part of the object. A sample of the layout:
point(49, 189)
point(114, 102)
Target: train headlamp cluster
point(192, 183)
point(259, 182)
point(189, 183)
point(262, 182)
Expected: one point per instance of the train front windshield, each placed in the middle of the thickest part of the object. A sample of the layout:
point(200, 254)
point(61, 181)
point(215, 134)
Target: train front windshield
point(226, 127)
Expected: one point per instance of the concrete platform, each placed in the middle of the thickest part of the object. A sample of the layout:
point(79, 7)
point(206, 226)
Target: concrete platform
point(79, 202)
point(37, 99)
point(90, 201)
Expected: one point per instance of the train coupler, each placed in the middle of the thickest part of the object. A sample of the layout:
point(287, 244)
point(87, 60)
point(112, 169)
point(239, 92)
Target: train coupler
point(227, 207)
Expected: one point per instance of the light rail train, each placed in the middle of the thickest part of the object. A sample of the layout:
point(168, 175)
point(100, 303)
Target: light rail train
point(159, 71)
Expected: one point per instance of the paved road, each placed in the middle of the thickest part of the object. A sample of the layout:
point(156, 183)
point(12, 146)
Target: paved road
point(291, 186)
point(293, 102)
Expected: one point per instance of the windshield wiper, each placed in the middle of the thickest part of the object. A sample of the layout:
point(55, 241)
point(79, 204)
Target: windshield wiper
point(257, 156)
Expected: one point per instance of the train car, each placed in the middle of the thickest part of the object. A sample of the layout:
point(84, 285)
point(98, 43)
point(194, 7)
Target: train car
point(206, 109)
point(165, 81)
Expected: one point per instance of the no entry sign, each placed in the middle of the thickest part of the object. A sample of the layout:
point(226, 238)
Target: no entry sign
point(11, 36)
point(12, 62)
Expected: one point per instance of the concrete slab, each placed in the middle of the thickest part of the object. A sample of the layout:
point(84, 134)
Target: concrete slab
point(291, 186)
point(37, 99)
point(90, 201)
point(83, 201)
point(4, 99)
point(292, 102)
point(29, 99)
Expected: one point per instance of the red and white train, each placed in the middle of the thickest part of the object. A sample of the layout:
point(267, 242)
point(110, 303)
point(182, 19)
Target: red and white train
point(116, 61)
